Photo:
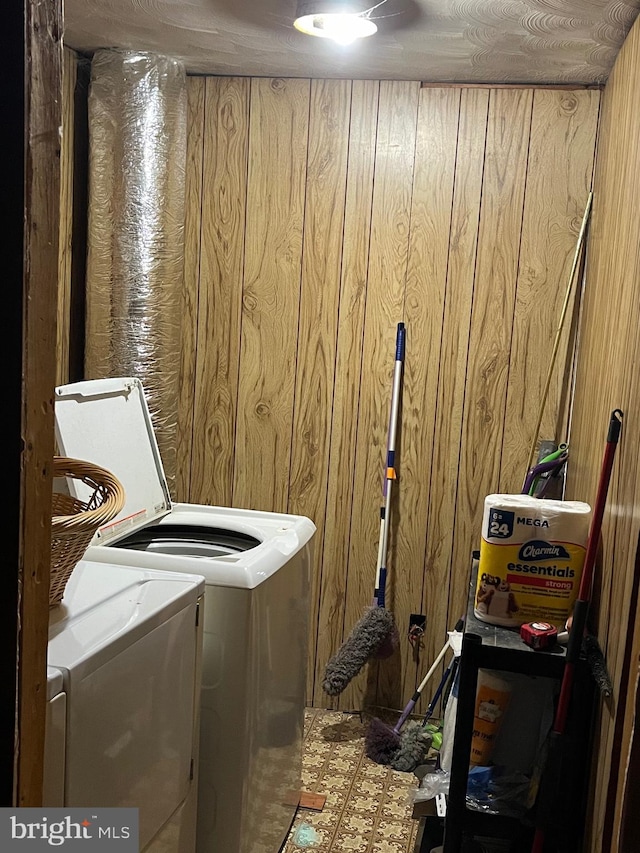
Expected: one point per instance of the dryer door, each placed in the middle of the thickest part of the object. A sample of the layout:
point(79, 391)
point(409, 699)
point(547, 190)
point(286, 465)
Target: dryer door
point(54, 743)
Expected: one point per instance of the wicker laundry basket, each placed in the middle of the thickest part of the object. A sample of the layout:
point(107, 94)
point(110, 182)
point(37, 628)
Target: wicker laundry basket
point(74, 522)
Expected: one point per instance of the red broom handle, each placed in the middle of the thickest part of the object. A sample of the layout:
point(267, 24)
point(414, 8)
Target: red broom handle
point(581, 605)
point(615, 425)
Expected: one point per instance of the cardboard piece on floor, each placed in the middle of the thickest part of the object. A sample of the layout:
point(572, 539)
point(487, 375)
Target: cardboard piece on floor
point(434, 807)
point(309, 800)
point(306, 800)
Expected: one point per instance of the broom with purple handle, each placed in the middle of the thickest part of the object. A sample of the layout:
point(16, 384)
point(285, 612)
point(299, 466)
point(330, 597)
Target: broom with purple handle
point(403, 750)
point(375, 634)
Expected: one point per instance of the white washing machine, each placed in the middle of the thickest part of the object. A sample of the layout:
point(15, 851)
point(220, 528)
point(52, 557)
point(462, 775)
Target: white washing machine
point(124, 675)
point(256, 567)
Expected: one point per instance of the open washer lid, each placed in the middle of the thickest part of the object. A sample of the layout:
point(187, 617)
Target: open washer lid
point(107, 422)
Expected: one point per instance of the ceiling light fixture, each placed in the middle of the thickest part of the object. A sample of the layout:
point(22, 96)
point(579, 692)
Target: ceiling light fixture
point(344, 21)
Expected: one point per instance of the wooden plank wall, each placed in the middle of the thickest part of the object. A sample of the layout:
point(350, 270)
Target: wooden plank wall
point(608, 378)
point(43, 119)
point(65, 244)
point(320, 214)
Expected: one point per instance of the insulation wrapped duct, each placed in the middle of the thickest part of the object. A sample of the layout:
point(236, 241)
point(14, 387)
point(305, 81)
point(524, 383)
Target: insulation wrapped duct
point(135, 253)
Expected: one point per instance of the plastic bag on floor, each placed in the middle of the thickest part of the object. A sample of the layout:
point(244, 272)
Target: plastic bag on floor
point(491, 792)
point(431, 785)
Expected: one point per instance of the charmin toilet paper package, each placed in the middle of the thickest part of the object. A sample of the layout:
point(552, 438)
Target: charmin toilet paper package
point(531, 556)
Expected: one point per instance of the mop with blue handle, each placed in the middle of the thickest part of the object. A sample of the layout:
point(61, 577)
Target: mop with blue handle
point(375, 634)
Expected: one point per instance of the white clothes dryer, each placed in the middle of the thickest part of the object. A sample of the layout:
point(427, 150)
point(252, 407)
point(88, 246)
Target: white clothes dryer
point(125, 669)
point(256, 567)
point(54, 742)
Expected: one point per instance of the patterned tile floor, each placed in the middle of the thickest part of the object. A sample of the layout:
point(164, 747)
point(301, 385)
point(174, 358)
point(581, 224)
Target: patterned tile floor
point(368, 806)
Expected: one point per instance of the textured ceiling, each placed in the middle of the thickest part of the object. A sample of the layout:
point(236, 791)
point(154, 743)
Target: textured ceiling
point(472, 41)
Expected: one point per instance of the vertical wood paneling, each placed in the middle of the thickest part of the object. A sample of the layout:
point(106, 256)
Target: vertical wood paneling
point(624, 817)
point(186, 448)
point(618, 727)
point(224, 194)
point(432, 199)
point(320, 214)
point(607, 377)
point(279, 116)
point(461, 261)
point(69, 72)
point(491, 323)
point(563, 132)
point(321, 265)
point(29, 585)
point(613, 347)
point(399, 204)
point(355, 254)
point(388, 253)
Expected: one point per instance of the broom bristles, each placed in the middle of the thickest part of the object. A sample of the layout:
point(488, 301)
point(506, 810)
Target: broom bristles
point(400, 750)
point(597, 664)
point(365, 639)
point(381, 742)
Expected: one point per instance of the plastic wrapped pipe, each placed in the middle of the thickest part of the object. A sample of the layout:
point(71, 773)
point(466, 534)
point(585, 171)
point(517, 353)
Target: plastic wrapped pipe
point(135, 255)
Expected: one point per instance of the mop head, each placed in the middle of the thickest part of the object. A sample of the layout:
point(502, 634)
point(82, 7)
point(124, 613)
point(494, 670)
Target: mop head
point(403, 751)
point(390, 643)
point(415, 743)
point(365, 639)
